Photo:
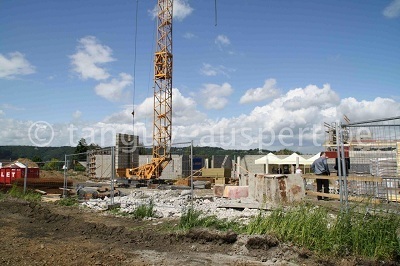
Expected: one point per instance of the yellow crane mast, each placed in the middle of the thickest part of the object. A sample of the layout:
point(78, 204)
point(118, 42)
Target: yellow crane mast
point(162, 116)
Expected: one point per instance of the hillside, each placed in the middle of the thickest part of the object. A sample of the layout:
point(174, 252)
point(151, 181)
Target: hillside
point(10, 153)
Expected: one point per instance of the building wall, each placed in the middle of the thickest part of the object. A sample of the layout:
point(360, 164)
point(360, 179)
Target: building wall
point(222, 161)
point(95, 161)
point(126, 151)
point(103, 166)
point(248, 162)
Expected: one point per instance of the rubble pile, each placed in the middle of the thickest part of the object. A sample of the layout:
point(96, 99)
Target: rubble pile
point(172, 203)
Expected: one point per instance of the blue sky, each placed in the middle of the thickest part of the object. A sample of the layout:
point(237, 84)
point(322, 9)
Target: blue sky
point(266, 66)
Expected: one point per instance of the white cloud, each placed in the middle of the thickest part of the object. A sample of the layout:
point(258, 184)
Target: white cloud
point(189, 35)
point(15, 65)
point(215, 96)
point(11, 107)
point(268, 91)
point(311, 95)
point(367, 110)
point(77, 114)
point(301, 111)
point(300, 106)
point(222, 40)
point(392, 10)
point(181, 10)
point(114, 90)
point(184, 110)
point(1, 112)
point(209, 70)
point(89, 58)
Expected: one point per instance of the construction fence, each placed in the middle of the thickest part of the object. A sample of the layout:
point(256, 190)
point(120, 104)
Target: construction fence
point(364, 158)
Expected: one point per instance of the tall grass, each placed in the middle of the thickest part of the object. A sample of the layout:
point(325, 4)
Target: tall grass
point(144, 210)
point(141, 212)
point(18, 192)
point(376, 236)
point(373, 236)
point(193, 218)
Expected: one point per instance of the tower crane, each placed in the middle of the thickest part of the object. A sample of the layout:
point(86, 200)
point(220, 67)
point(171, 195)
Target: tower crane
point(162, 115)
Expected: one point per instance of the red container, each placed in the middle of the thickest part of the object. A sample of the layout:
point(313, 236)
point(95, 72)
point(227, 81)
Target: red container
point(8, 175)
point(333, 154)
point(32, 172)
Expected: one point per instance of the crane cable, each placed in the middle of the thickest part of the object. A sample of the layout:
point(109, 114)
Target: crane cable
point(216, 15)
point(134, 67)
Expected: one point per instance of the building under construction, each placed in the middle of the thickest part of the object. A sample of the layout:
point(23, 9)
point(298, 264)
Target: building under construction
point(369, 157)
point(126, 156)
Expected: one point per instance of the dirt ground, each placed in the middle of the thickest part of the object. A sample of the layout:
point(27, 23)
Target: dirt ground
point(48, 234)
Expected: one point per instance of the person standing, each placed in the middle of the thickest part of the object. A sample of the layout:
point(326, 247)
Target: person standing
point(320, 167)
point(347, 163)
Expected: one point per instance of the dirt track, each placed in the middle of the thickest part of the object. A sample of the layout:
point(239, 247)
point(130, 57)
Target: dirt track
point(47, 234)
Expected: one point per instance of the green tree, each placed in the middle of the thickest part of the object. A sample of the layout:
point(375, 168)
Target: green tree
point(286, 152)
point(54, 164)
point(37, 159)
point(81, 148)
point(93, 146)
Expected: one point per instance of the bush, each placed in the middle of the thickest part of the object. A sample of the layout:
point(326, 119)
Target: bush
point(54, 164)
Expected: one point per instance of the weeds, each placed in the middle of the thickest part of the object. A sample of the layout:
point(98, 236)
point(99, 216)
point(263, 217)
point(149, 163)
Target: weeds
point(17, 192)
point(68, 201)
point(143, 211)
point(375, 236)
point(193, 218)
point(118, 212)
point(349, 233)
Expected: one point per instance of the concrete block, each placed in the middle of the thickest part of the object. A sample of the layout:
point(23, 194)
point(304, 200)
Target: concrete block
point(219, 190)
point(277, 189)
point(236, 192)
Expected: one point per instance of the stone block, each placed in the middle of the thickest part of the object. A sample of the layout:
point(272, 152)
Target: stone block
point(219, 190)
point(236, 192)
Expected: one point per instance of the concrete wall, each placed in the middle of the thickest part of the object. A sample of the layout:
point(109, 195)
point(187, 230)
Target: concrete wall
point(222, 161)
point(126, 151)
point(103, 166)
point(276, 189)
point(247, 165)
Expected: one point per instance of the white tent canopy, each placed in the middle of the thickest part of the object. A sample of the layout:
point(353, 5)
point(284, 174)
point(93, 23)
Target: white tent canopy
point(312, 159)
point(292, 159)
point(270, 158)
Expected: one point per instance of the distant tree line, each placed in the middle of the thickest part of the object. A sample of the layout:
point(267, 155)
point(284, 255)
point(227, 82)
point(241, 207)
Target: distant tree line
point(52, 155)
point(36, 154)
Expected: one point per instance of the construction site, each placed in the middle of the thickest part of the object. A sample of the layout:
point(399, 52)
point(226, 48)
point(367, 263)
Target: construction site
point(205, 210)
point(101, 229)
